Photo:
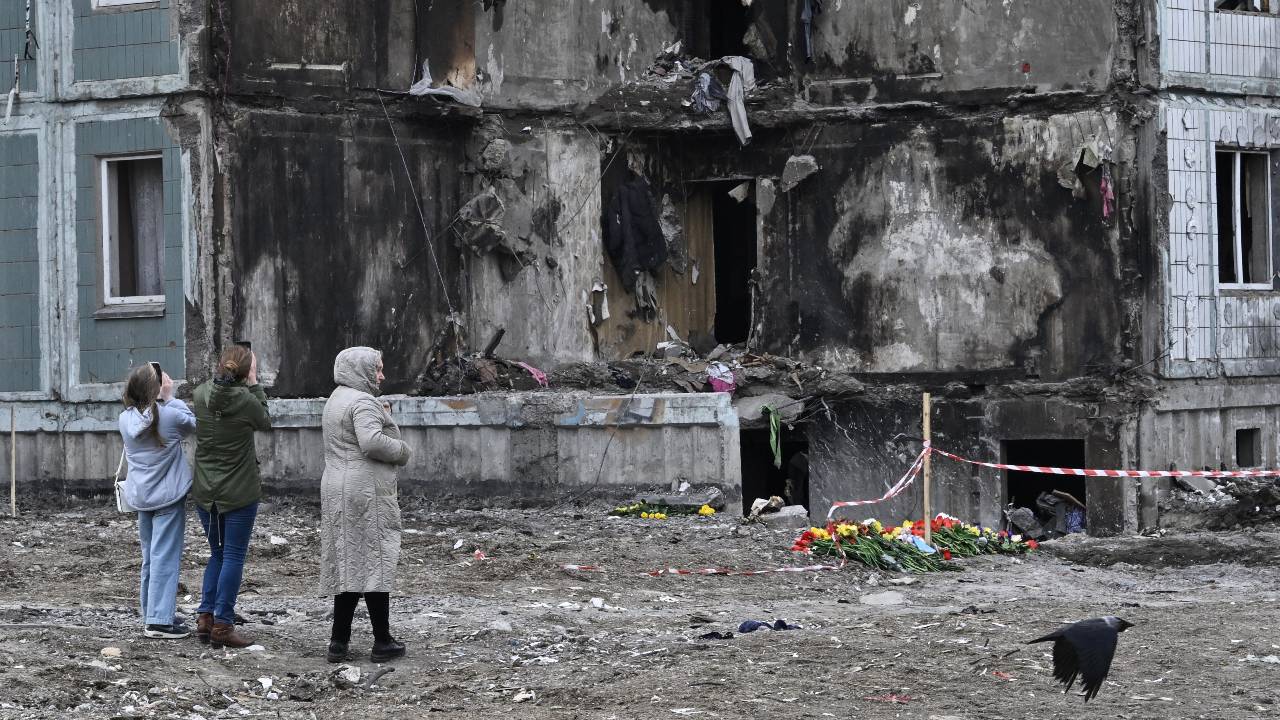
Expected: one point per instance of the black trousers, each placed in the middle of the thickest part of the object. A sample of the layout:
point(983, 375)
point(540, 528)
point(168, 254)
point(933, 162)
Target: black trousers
point(344, 611)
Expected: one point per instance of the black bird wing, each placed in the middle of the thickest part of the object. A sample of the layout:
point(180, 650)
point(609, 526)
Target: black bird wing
point(1085, 649)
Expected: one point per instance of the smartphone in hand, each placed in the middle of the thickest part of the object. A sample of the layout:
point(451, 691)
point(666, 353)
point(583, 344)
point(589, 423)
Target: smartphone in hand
point(159, 373)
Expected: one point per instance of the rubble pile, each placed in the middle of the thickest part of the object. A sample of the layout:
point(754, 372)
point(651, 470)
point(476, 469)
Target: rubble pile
point(675, 366)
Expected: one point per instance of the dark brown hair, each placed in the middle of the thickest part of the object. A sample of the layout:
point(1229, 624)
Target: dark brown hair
point(235, 362)
point(140, 393)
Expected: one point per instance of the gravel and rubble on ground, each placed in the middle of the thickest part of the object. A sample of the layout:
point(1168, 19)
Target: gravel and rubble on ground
point(495, 626)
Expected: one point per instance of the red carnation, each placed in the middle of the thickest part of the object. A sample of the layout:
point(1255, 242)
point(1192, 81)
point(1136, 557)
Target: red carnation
point(946, 554)
point(1033, 544)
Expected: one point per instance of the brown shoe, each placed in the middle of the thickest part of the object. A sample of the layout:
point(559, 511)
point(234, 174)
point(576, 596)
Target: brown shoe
point(225, 635)
point(204, 627)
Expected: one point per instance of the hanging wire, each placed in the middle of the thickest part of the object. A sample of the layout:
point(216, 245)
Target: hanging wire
point(444, 287)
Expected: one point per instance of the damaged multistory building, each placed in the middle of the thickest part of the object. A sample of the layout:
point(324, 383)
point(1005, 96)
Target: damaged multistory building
point(1057, 218)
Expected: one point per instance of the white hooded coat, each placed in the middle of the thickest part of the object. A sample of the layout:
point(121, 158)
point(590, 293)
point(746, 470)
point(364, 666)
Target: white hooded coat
point(359, 510)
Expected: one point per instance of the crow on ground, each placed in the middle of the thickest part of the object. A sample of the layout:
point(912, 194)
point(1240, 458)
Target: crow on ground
point(1085, 649)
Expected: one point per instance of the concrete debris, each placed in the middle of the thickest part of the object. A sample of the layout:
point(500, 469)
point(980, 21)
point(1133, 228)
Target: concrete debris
point(496, 156)
point(524, 696)
point(689, 501)
point(789, 516)
point(798, 168)
point(741, 191)
point(751, 409)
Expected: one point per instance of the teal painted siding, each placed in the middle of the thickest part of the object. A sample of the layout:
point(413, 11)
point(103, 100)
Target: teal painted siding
point(117, 43)
point(19, 264)
point(110, 347)
point(13, 37)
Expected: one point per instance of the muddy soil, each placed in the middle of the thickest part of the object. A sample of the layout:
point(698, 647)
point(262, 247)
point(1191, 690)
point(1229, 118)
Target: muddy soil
point(513, 634)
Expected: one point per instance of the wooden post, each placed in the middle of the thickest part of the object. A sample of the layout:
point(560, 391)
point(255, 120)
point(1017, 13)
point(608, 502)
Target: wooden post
point(13, 461)
point(928, 472)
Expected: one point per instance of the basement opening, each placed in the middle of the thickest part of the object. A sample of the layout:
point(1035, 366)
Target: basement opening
point(1027, 490)
point(760, 479)
point(1249, 448)
point(733, 226)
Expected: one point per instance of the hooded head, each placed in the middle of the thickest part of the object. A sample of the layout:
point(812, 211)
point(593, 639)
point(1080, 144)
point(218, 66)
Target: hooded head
point(358, 369)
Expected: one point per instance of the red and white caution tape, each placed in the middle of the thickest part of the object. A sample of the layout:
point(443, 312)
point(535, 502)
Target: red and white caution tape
point(892, 492)
point(1112, 473)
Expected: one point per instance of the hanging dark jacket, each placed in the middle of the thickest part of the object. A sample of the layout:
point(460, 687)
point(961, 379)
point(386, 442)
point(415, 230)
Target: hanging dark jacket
point(632, 235)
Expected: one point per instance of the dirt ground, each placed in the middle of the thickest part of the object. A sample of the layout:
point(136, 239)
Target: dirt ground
point(515, 635)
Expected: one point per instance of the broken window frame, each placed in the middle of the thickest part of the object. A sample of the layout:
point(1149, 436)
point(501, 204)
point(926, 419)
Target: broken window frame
point(1242, 283)
point(1264, 7)
point(108, 192)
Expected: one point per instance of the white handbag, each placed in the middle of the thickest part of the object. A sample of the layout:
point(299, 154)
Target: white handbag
point(121, 503)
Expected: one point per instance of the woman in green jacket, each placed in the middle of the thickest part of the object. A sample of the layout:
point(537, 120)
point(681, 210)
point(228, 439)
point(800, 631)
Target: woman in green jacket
point(227, 488)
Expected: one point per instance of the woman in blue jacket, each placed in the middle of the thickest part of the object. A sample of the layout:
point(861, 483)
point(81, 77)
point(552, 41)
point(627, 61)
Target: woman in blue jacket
point(153, 425)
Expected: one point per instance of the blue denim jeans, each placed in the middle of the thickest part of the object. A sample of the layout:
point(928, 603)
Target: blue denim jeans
point(228, 535)
point(161, 532)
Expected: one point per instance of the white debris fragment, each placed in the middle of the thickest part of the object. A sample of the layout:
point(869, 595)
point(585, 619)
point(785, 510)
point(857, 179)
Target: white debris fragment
point(350, 673)
point(277, 540)
point(524, 695)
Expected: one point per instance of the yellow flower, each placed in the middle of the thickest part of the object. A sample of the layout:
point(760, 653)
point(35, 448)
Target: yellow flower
point(706, 511)
point(971, 529)
point(987, 531)
point(820, 533)
point(846, 530)
point(644, 515)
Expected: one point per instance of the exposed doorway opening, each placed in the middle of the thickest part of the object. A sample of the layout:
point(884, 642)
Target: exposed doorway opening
point(760, 479)
point(1023, 488)
point(734, 236)
point(1249, 447)
point(715, 28)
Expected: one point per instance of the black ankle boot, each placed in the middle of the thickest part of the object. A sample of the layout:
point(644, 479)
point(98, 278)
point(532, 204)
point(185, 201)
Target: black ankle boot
point(338, 652)
point(384, 650)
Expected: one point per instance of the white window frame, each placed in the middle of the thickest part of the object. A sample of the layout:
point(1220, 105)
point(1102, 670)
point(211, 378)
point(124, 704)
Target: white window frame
point(104, 191)
point(120, 3)
point(1237, 214)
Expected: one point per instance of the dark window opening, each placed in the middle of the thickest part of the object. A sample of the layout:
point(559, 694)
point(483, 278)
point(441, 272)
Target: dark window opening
point(1023, 489)
point(1249, 447)
point(760, 479)
point(715, 28)
point(1242, 186)
point(1268, 7)
point(734, 234)
point(133, 229)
